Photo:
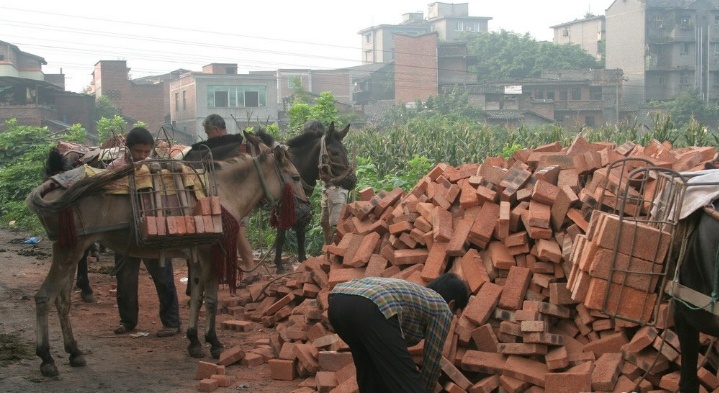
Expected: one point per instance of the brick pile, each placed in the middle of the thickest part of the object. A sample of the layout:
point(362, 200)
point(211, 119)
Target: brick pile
point(529, 236)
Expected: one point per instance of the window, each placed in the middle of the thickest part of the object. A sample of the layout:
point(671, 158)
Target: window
point(565, 33)
point(459, 26)
point(659, 79)
point(367, 38)
point(576, 94)
point(716, 79)
point(685, 21)
point(716, 50)
point(562, 95)
point(589, 121)
point(658, 22)
point(236, 96)
point(539, 93)
point(184, 99)
point(684, 48)
point(177, 102)
point(550, 95)
point(2, 56)
point(684, 79)
point(595, 92)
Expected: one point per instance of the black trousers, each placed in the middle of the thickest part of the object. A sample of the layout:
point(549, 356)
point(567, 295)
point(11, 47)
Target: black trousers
point(379, 351)
point(127, 271)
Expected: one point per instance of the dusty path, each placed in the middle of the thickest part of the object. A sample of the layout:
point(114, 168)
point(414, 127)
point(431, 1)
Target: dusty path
point(114, 363)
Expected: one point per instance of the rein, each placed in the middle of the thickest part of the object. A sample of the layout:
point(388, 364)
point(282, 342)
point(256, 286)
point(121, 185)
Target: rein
point(326, 164)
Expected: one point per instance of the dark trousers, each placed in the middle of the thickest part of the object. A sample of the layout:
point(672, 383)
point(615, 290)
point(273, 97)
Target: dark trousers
point(127, 270)
point(379, 351)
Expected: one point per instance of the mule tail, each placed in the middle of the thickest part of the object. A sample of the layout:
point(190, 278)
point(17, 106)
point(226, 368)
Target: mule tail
point(87, 186)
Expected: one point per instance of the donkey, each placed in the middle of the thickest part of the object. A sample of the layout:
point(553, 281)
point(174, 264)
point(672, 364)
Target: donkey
point(242, 183)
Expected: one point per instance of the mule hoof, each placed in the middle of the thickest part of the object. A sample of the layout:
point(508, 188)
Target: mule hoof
point(196, 352)
point(49, 370)
point(216, 352)
point(78, 361)
point(87, 297)
point(281, 269)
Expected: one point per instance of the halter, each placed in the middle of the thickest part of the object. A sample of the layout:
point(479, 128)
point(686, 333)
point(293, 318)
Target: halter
point(265, 188)
point(326, 164)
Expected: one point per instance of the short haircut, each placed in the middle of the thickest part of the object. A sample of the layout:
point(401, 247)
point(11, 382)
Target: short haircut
point(214, 120)
point(451, 287)
point(314, 126)
point(139, 136)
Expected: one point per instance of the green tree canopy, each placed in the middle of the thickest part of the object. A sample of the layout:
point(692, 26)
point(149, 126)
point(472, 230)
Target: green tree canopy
point(689, 106)
point(506, 55)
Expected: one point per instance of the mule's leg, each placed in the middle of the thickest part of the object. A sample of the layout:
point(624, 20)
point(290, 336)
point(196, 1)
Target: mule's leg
point(211, 291)
point(56, 289)
point(196, 273)
point(689, 343)
point(300, 231)
point(279, 244)
point(189, 278)
point(83, 279)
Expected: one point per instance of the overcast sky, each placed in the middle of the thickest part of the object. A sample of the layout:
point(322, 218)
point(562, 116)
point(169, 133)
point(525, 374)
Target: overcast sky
point(158, 37)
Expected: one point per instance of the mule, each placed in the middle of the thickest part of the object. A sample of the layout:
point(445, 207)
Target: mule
point(242, 183)
point(698, 272)
point(312, 152)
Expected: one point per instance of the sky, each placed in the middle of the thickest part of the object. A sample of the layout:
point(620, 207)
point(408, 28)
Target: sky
point(262, 35)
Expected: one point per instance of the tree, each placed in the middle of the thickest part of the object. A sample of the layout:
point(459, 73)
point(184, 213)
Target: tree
point(689, 105)
point(505, 55)
point(105, 109)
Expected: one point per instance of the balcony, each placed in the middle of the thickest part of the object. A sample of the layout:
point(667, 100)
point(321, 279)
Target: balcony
point(684, 33)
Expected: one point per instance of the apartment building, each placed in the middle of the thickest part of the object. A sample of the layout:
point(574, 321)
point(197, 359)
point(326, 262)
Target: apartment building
point(664, 47)
point(588, 33)
point(249, 98)
point(448, 20)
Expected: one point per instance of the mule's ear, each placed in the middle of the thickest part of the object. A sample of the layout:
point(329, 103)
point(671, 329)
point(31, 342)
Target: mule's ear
point(251, 138)
point(279, 152)
point(343, 133)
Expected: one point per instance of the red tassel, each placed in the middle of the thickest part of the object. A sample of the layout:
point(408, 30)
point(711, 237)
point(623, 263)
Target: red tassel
point(67, 237)
point(286, 217)
point(224, 264)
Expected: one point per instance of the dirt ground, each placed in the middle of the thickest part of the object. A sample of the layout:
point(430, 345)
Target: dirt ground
point(115, 363)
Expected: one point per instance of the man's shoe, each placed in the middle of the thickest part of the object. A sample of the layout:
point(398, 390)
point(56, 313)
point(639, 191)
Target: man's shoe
point(168, 331)
point(122, 329)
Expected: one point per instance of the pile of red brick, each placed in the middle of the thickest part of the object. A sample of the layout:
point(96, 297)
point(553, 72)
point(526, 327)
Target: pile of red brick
point(528, 236)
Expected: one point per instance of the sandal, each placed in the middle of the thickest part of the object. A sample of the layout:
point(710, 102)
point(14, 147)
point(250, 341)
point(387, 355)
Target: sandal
point(251, 278)
point(122, 329)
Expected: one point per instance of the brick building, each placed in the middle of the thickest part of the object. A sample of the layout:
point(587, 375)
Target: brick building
point(143, 99)
point(36, 99)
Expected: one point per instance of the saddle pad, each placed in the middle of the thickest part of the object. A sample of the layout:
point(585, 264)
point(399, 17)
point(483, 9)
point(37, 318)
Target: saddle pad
point(68, 178)
point(698, 194)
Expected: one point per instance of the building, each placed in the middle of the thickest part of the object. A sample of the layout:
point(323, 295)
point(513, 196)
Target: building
point(36, 99)
point(573, 98)
point(448, 20)
point(664, 47)
point(248, 98)
point(143, 99)
point(588, 33)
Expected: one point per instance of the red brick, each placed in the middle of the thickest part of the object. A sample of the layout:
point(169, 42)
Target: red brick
point(526, 370)
point(557, 358)
point(500, 256)
point(472, 270)
point(484, 362)
point(485, 385)
point(333, 360)
point(482, 305)
point(458, 243)
point(641, 339)
point(568, 382)
point(484, 224)
point(454, 374)
point(544, 192)
point(223, 381)
point(231, 355)
point(606, 371)
point(206, 370)
point(485, 339)
point(607, 344)
point(326, 381)
point(436, 261)
point(566, 198)
point(365, 250)
point(625, 301)
point(442, 225)
point(515, 288)
point(635, 239)
point(409, 256)
point(208, 385)
point(402, 226)
point(548, 250)
point(376, 265)
point(282, 369)
point(503, 220)
point(512, 385)
point(468, 196)
point(640, 274)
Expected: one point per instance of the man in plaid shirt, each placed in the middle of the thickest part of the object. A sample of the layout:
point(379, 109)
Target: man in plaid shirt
point(379, 318)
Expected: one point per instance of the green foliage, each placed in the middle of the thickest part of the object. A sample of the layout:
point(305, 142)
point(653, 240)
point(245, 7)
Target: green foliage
point(689, 105)
point(109, 127)
point(105, 109)
point(23, 151)
point(504, 55)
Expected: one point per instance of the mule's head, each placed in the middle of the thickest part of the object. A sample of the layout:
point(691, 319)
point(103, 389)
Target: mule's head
point(288, 194)
point(335, 167)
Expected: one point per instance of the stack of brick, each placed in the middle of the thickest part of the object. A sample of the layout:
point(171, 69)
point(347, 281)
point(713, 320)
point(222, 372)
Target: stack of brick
point(205, 219)
point(522, 233)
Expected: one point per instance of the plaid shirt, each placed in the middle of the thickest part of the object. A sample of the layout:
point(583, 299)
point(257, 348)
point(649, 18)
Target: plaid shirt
point(422, 313)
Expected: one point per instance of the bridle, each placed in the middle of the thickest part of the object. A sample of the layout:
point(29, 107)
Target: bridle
point(326, 165)
point(272, 202)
